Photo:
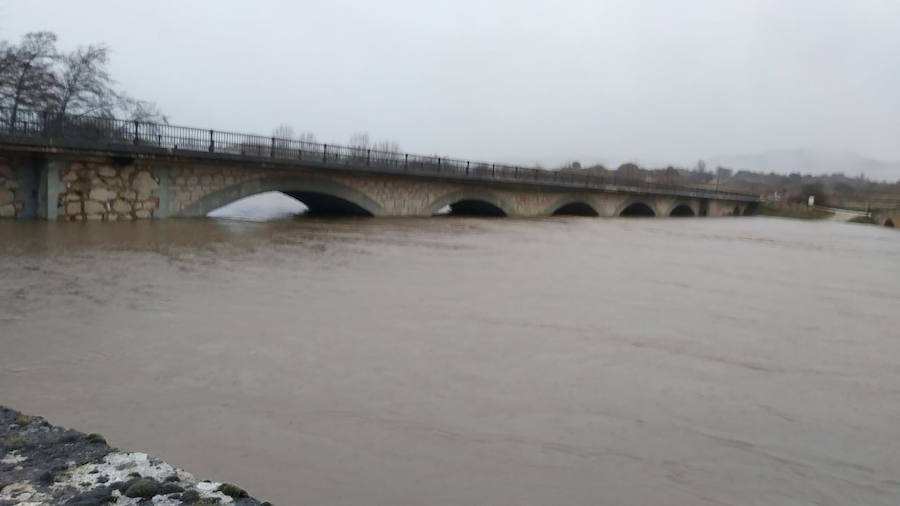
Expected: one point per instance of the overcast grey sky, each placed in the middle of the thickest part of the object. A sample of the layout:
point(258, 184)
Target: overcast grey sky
point(656, 81)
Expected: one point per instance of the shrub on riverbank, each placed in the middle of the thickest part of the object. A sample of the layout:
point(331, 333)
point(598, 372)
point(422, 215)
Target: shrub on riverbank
point(232, 490)
point(14, 443)
point(863, 219)
point(142, 487)
point(793, 210)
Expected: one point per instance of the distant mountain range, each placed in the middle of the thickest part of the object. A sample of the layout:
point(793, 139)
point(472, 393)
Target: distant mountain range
point(812, 161)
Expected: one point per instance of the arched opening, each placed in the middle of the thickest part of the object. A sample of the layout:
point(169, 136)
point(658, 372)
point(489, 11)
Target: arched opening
point(472, 207)
point(323, 204)
point(298, 195)
point(469, 202)
point(750, 209)
point(273, 205)
point(576, 209)
point(682, 210)
point(637, 209)
point(736, 211)
point(889, 223)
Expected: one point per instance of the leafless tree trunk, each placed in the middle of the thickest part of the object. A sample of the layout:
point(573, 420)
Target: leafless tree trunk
point(34, 75)
point(85, 86)
point(139, 110)
point(28, 79)
point(283, 131)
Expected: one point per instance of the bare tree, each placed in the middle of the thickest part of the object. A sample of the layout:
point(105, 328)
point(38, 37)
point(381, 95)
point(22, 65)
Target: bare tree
point(282, 136)
point(359, 140)
point(387, 146)
point(283, 131)
point(359, 143)
point(5, 57)
point(629, 171)
point(671, 175)
point(139, 110)
point(308, 142)
point(34, 75)
point(85, 86)
point(722, 173)
point(28, 78)
point(386, 151)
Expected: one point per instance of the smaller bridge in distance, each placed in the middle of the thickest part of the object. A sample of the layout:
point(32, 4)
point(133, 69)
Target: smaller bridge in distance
point(92, 168)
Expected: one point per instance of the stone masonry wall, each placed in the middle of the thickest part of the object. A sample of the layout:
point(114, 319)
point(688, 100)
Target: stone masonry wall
point(397, 195)
point(106, 191)
point(10, 204)
point(189, 183)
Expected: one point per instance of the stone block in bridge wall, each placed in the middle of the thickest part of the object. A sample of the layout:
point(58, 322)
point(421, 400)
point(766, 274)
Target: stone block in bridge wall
point(95, 190)
point(12, 201)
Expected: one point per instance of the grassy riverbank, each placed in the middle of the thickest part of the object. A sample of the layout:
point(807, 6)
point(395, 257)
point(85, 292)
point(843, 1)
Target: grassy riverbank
point(792, 210)
point(45, 465)
point(864, 219)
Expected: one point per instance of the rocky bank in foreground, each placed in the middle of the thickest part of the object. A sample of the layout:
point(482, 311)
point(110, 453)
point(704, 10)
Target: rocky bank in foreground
point(45, 465)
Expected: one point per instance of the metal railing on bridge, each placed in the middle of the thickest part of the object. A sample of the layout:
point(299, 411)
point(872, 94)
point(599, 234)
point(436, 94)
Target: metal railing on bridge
point(64, 130)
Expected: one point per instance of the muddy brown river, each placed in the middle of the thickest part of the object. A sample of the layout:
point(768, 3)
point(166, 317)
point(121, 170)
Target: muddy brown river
point(570, 361)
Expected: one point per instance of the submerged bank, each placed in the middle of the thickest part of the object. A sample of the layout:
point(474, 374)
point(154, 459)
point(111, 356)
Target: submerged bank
point(41, 464)
point(793, 210)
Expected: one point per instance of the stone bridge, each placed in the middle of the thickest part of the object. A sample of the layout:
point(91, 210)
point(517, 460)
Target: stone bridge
point(132, 171)
point(81, 186)
point(887, 217)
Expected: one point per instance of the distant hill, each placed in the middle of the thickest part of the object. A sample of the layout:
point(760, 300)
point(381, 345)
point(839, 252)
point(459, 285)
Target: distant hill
point(812, 161)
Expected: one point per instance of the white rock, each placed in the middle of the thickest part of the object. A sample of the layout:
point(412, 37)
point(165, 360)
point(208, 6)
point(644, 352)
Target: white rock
point(207, 490)
point(23, 494)
point(118, 465)
point(13, 457)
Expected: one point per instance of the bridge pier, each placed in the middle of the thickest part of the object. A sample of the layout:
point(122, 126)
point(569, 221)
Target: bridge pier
point(27, 188)
point(50, 187)
point(161, 173)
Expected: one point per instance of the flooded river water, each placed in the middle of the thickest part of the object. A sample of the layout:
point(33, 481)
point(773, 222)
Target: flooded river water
point(446, 361)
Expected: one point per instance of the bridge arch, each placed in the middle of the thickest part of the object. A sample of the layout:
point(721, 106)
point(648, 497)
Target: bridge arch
point(889, 223)
point(470, 202)
point(683, 208)
point(573, 205)
point(636, 207)
point(321, 196)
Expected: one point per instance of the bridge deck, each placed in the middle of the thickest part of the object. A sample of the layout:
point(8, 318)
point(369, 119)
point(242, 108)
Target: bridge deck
point(44, 132)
